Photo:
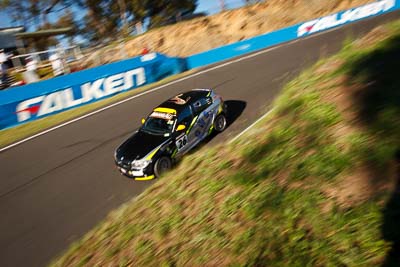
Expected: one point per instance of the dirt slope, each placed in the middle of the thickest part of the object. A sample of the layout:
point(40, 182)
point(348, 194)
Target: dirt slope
point(197, 35)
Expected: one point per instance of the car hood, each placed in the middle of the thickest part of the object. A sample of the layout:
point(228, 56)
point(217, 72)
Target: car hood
point(138, 146)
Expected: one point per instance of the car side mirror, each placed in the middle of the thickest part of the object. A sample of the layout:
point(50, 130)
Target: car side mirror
point(180, 127)
point(143, 120)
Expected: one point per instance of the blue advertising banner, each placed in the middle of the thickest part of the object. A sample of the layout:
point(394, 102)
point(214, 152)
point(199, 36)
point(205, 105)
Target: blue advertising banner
point(29, 102)
point(291, 33)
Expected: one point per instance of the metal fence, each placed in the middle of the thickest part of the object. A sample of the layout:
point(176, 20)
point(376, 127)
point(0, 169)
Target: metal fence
point(67, 54)
point(73, 54)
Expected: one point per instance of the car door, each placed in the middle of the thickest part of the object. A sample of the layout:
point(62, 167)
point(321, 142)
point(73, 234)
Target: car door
point(182, 142)
point(204, 118)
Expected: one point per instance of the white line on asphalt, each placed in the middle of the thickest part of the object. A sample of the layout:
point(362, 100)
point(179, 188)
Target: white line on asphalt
point(136, 96)
point(269, 112)
point(251, 126)
point(160, 87)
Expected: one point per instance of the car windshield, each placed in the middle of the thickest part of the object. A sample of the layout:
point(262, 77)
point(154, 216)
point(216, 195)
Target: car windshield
point(158, 126)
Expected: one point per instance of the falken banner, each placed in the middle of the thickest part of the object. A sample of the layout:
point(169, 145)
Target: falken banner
point(37, 100)
point(291, 33)
point(344, 17)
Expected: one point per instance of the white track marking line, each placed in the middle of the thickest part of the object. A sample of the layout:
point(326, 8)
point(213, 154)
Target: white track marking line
point(133, 97)
point(167, 84)
point(251, 126)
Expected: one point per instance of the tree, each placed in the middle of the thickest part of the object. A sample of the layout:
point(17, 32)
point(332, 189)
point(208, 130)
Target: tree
point(101, 20)
point(16, 10)
point(104, 20)
point(159, 12)
point(68, 21)
point(33, 14)
point(165, 12)
point(137, 11)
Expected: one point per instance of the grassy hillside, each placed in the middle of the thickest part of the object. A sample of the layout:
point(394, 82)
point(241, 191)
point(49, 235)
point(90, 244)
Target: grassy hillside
point(314, 184)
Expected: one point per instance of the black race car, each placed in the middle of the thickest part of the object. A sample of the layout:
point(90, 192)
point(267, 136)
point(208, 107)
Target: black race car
point(171, 130)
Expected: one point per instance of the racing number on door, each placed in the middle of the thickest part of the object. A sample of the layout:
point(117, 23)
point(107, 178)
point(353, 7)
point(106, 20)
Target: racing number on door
point(181, 142)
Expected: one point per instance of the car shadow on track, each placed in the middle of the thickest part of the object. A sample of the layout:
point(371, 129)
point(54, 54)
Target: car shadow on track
point(234, 108)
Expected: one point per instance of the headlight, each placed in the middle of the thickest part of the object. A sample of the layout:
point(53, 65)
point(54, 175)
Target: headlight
point(140, 164)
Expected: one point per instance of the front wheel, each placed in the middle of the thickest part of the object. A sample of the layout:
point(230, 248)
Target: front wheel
point(162, 165)
point(220, 123)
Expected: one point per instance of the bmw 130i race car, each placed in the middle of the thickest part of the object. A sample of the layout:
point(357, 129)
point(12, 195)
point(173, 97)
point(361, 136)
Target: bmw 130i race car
point(171, 130)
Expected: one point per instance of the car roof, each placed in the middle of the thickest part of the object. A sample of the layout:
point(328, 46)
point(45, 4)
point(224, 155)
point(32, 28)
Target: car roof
point(180, 101)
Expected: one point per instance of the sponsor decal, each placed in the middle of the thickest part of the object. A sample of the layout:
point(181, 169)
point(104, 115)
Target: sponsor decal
point(242, 47)
point(181, 142)
point(206, 114)
point(201, 123)
point(67, 98)
point(345, 17)
point(161, 115)
point(148, 57)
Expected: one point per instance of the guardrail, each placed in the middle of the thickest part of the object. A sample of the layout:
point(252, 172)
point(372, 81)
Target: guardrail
point(29, 102)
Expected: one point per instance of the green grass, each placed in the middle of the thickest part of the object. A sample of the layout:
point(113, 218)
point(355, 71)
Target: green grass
point(308, 186)
point(16, 133)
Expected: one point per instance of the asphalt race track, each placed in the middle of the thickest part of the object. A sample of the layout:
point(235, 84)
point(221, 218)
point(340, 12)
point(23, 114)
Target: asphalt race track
point(56, 187)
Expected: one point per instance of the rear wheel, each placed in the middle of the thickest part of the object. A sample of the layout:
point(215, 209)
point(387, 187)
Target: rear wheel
point(162, 165)
point(220, 123)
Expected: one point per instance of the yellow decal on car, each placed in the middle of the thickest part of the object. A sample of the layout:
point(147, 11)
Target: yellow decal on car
point(152, 153)
point(220, 109)
point(166, 110)
point(144, 178)
point(191, 125)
